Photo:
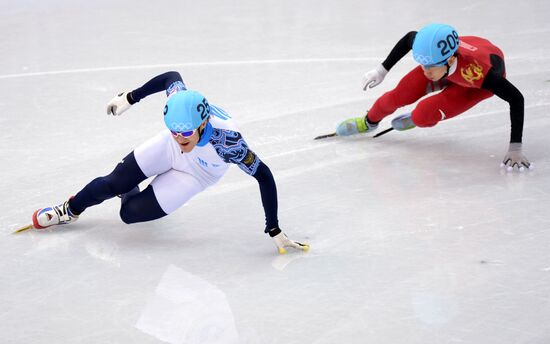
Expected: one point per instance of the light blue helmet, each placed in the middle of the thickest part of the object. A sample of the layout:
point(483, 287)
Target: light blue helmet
point(434, 44)
point(185, 111)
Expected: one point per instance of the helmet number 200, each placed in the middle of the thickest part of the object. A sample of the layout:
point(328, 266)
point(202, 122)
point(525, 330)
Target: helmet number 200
point(449, 43)
point(203, 108)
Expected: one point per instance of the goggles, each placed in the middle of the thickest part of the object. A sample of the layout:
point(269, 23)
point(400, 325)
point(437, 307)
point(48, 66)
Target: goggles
point(438, 64)
point(184, 134)
point(435, 65)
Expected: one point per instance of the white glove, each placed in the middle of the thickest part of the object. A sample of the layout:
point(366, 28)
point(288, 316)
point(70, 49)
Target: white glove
point(282, 241)
point(374, 77)
point(515, 158)
point(118, 104)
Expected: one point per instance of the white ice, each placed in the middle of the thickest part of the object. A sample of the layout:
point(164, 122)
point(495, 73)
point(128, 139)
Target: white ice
point(417, 237)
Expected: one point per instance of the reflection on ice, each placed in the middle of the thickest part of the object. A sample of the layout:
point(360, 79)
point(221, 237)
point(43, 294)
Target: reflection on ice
point(187, 309)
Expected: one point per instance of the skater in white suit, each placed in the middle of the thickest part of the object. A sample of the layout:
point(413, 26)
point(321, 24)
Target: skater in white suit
point(192, 154)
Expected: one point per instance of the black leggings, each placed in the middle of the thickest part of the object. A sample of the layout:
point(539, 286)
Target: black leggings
point(135, 207)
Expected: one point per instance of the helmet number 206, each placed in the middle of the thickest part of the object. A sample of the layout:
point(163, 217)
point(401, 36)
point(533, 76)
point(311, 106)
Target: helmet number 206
point(203, 108)
point(448, 44)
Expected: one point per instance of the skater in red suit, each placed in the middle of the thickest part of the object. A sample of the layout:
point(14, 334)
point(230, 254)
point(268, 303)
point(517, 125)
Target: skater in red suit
point(466, 69)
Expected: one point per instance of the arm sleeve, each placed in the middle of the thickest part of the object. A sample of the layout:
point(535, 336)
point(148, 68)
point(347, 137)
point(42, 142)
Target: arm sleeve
point(252, 165)
point(505, 90)
point(169, 82)
point(268, 191)
point(401, 49)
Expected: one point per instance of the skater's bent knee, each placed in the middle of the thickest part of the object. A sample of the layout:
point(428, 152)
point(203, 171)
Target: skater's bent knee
point(141, 207)
point(423, 120)
point(126, 217)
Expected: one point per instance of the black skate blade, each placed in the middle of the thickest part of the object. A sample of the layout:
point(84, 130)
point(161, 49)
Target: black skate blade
point(325, 136)
point(334, 134)
point(383, 132)
point(22, 229)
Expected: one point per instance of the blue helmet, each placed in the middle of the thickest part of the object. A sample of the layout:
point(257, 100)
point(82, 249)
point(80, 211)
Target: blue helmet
point(434, 44)
point(185, 111)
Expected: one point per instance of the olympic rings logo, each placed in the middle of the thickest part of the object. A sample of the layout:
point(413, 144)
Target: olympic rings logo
point(178, 126)
point(422, 59)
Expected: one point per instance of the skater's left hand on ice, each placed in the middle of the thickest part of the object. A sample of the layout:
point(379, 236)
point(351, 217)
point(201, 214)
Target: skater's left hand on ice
point(119, 104)
point(282, 241)
point(515, 158)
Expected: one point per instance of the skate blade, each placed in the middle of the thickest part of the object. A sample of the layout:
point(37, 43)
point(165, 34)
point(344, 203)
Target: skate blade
point(384, 132)
point(22, 229)
point(325, 136)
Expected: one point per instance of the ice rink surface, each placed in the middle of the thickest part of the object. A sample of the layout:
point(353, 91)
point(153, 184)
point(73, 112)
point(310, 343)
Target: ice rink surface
point(417, 236)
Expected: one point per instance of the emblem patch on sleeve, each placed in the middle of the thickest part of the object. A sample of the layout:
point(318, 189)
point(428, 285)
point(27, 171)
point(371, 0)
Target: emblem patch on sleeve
point(249, 159)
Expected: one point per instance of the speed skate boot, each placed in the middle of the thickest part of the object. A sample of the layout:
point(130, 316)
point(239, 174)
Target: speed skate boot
point(357, 125)
point(403, 122)
point(57, 215)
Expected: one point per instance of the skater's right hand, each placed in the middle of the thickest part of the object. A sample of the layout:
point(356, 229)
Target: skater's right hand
point(374, 77)
point(118, 104)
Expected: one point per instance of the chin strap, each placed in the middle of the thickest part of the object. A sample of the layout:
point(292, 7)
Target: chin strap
point(448, 67)
point(447, 72)
point(205, 134)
